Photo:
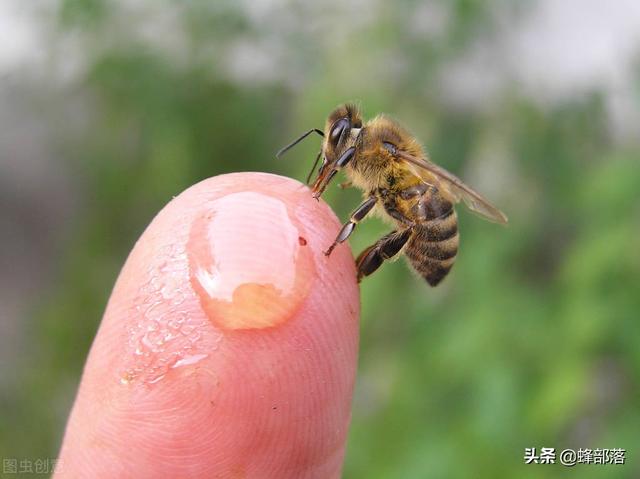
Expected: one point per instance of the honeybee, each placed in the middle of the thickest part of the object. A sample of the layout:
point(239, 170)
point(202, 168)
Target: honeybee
point(399, 181)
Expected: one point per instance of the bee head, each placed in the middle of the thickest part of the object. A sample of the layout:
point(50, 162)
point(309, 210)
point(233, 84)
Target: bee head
point(338, 130)
point(341, 132)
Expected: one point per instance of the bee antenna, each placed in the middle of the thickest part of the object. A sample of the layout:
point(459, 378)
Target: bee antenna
point(315, 163)
point(298, 140)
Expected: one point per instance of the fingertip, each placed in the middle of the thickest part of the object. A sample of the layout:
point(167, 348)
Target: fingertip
point(229, 321)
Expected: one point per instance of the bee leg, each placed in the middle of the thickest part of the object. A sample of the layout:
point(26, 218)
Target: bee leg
point(385, 248)
point(396, 214)
point(323, 180)
point(413, 191)
point(359, 213)
point(408, 194)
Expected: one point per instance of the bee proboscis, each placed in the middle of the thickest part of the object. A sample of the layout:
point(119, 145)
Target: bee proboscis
point(399, 181)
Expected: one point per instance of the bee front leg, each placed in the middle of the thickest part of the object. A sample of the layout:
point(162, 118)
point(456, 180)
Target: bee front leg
point(324, 179)
point(360, 212)
point(385, 248)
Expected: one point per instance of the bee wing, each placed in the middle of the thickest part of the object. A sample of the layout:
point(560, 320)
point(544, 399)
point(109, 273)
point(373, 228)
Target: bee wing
point(456, 189)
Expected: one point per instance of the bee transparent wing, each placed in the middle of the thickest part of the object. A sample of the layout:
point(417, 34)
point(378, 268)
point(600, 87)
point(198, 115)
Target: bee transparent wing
point(456, 189)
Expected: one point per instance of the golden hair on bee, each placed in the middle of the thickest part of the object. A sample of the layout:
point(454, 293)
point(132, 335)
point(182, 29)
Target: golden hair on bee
point(388, 164)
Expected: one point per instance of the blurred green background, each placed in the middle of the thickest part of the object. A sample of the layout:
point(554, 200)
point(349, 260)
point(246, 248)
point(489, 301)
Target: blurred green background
point(109, 109)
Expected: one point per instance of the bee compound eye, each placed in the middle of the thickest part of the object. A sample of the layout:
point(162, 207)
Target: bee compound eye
point(339, 126)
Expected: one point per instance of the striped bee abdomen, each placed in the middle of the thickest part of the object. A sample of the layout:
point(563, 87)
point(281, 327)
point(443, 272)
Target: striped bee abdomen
point(433, 246)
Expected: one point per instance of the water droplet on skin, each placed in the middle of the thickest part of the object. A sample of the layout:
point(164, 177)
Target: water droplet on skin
point(188, 360)
point(174, 324)
point(147, 342)
point(169, 336)
point(126, 378)
point(232, 268)
point(155, 378)
point(177, 300)
point(187, 329)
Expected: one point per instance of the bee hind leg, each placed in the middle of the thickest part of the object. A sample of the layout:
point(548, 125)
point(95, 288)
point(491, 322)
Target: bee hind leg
point(385, 248)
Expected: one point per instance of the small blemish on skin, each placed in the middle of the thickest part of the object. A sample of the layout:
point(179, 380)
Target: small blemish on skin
point(302, 241)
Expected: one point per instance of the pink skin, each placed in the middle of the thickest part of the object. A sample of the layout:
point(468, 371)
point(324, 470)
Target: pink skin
point(228, 347)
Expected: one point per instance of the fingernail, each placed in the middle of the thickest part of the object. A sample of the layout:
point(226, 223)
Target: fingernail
point(249, 261)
